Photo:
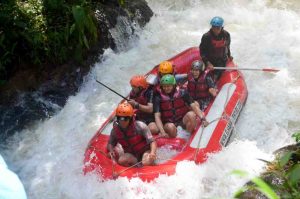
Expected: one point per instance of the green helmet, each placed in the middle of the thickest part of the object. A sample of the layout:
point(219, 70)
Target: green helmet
point(168, 80)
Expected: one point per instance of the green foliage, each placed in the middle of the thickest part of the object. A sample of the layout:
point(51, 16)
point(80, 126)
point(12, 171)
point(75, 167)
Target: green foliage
point(264, 188)
point(294, 175)
point(11, 27)
point(121, 2)
point(284, 160)
point(82, 27)
point(285, 170)
point(296, 136)
point(259, 184)
point(39, 31)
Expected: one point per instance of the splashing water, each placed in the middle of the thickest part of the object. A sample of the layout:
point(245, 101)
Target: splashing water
point(49, 156)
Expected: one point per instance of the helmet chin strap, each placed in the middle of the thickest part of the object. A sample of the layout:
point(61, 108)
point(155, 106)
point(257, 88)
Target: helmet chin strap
point(140, 89)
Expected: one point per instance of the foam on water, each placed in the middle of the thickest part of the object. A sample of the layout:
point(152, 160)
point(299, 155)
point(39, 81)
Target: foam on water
point(49, 156)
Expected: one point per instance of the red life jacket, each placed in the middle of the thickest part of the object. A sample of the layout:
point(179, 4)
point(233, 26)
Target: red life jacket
point(198, 88)
point(131, 142)
point(141, 99)
point(172, 108)
point(219, 48)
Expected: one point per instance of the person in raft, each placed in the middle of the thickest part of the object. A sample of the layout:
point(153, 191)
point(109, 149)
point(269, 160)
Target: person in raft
point(215, 46)
point(201, 86)
point(141, 98)
point(164, 68)
point(172, 108)
point(134, 136)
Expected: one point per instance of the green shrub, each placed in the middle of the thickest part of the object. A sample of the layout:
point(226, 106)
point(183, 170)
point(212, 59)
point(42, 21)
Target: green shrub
point(296, 136)
point(285, 171)
point(257, 184)
point(44, 31)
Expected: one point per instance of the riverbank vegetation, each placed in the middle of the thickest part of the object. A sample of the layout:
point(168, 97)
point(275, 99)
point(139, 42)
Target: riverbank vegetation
point(37, 32)
point(281, 178)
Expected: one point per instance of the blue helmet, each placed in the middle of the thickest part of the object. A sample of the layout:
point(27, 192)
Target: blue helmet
point(217, 22)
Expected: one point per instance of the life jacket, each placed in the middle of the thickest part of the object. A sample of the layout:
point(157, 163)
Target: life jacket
point(141, 99)
point(131, 141)
point(198, 88)
point(219, 48)
point(172, 108)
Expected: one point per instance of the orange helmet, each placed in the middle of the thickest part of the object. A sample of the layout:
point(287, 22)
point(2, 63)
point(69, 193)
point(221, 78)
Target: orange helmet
point(124, 110)
point(138, 81)
point(165, 67)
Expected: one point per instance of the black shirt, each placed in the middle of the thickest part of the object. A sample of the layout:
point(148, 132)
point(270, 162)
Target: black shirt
point(210, 81)
point(205, 44)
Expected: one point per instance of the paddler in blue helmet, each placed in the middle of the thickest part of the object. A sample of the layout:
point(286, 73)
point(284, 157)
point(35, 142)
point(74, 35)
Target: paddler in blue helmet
point(215, 46)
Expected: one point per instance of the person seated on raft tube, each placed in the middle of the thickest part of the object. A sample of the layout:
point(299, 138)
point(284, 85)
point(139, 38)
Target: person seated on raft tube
point(201, 86)
point(172, 108)
point(164, 68)
point(134, 137)
point(215, 46)
point(141, 98)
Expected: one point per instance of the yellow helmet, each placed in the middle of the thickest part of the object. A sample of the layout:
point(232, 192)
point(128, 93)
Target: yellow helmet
point(165, 67)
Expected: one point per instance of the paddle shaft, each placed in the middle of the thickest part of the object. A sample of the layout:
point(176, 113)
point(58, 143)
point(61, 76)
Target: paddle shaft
point(252, 69)
point(112, 90)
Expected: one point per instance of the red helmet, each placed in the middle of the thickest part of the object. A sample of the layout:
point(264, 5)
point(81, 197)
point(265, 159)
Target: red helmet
point(124, 110)
point(139, 81)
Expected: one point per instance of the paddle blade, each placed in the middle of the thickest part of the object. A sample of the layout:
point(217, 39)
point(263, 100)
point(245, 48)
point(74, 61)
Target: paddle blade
point(270, 70)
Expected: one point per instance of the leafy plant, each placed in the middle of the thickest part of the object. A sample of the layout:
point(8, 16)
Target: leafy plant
point(296, 136)
point(259, 184)
point(283, 177)
point(83, 27)
point(121, 2)
point(43, 31)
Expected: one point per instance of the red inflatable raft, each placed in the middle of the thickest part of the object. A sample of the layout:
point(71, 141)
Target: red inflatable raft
point(222, 114)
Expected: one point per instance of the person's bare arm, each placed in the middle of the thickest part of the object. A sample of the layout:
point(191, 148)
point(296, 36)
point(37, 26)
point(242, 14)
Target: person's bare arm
point(199, 113)
point(111, 144)
point(153, 148)
point(160, 125)
point(144, 108)
point(213, 91)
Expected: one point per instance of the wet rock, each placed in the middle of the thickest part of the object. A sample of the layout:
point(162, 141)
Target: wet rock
point(289, 148)
point(252, 194)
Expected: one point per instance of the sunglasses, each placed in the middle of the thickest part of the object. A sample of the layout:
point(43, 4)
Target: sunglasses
point(122, 118)
point(217, 27)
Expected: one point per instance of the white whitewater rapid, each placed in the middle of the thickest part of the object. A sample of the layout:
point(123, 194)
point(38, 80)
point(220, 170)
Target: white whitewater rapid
point(48, 157)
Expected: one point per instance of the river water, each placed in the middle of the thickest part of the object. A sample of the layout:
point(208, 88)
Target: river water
point(48, 156)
